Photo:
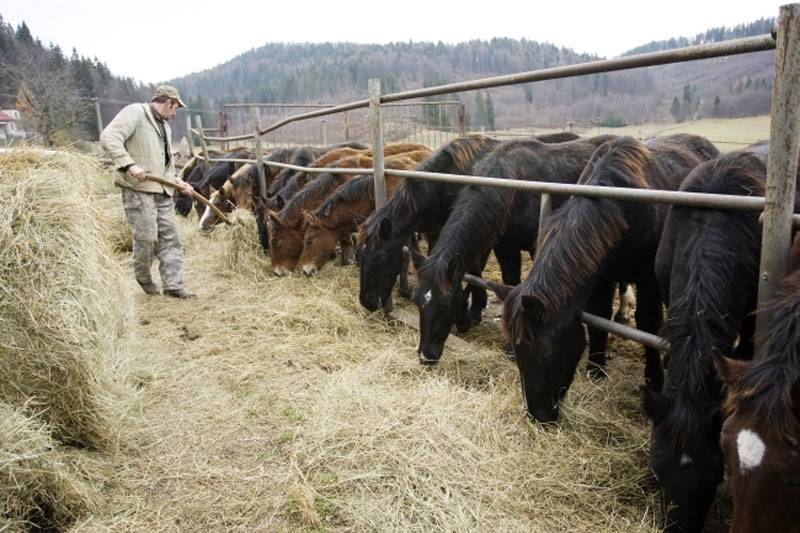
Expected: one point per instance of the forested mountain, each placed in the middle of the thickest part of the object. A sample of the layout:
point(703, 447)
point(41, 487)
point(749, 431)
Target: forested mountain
point(338, 72)
point(60, 89)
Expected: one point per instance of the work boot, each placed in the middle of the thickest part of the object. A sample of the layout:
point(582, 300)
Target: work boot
point(149, 288)
point(179, 293)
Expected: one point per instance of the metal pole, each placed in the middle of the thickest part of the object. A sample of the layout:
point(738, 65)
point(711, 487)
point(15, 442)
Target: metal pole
point(199, 123)
point(98, 116)
point(262, 179)
point(189, 138)
point(782, 162)
point(545, 210)
point(377, 142)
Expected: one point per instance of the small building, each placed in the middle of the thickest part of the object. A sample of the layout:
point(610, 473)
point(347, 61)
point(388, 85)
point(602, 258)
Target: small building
point(9, 124)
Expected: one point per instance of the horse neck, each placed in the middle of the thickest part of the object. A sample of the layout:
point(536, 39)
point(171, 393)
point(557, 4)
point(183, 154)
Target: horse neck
point(310, 197)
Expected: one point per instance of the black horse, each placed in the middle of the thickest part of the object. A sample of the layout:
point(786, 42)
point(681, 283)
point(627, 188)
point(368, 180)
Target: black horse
point(707, 267)
point(486, 218)
point(419, 206)
point(590, 244)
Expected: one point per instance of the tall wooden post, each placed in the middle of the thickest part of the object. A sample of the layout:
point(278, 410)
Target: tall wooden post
point(377, 142)
point(545, 210)
point(346, 126)
point(784, 141)
point(199, 122)
point(462, 119)
point(189, 137)
point(223, 129)
point(262, 178)
point(98, 117)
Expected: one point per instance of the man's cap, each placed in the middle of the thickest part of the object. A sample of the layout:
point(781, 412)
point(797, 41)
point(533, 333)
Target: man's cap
point(170, 92)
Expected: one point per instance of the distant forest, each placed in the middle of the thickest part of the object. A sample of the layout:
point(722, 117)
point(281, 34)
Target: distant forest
point(56, 90)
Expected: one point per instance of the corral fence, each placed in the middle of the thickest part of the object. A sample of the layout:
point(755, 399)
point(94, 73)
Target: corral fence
point(430, 123)
point(777, 205)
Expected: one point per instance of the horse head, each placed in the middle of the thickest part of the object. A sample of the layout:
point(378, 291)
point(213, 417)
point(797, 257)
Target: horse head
point(285, 244)
point(547, 348)
point(685, 456)
point(380, 257)
point(761, 440)
point(441, 299)
point(319, 244)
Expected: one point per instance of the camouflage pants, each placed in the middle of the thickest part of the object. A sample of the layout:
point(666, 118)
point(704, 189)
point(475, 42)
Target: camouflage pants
point(152, 218)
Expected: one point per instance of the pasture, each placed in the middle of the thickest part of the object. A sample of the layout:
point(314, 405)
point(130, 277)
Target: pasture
point(281, 404)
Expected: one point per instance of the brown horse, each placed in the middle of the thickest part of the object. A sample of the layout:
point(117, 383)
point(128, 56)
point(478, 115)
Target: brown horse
point(341, 213)
point(237, 191)
point(761, 433)
point(286, 226)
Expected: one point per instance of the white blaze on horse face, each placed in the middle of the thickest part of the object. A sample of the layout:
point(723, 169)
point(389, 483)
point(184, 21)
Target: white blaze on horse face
point(750, 448)
point(686, 459)
point(428, 295)
point(207, 219)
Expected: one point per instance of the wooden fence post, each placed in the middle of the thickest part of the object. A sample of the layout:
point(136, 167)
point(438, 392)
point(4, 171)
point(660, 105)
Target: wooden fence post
point(98, 117)
point(462, 119)
point(262, 178)
point(377, 142)
point(189, 137)
point(782, 163)
point(223, 129)
point(199, 122)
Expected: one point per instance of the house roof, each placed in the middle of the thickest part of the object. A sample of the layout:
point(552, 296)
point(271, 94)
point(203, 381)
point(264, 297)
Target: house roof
point(6, 118)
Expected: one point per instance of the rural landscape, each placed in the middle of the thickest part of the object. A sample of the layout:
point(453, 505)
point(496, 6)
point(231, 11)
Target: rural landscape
point(304, 388)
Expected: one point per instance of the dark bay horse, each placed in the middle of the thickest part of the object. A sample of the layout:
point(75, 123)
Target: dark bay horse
point(419, 206)
point(707, 268)
point(340, 214)
point(286, 227)
point(591, 243)
point(761, 433)
point(486, 218)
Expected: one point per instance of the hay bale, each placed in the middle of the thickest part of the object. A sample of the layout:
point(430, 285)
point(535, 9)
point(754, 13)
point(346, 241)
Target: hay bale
point(63, 310)
point(120, 234)
point(241, 249)
point(38, 490)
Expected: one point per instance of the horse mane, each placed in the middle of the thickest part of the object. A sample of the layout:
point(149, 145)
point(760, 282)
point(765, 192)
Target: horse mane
point(720, 251)
point(765, 390)
point(456, 157)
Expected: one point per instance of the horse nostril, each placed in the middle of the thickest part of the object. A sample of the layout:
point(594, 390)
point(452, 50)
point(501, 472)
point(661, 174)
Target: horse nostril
point(309, 270)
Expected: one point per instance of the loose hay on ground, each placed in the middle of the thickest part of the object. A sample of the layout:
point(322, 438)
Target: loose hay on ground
point(290, 408)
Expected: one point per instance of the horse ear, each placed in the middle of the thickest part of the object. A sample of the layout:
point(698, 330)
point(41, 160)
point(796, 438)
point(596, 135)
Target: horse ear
point(418, 259)
point(730, 370)
point(385, 229)
point(532, 306)
point(654, 404)
point(501, 290)
point(275, 217)
point(310, 218)
point(358, 218)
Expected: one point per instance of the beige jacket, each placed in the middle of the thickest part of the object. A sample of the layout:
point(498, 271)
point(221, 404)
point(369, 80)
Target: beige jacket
point(133, 137)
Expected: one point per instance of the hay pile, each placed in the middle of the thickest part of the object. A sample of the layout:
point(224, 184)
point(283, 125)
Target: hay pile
point(38, 486)
point(241, 249)
point(65, 318)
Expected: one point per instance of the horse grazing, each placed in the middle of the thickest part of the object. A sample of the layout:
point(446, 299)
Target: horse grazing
point(487, 218)
point(419, 206)
point(237, 191)
point(761, 433)
point(192, 172)
point(205, 181)
point(286, 226)
point(707, 268)
point(342, 211)
point(591, 243)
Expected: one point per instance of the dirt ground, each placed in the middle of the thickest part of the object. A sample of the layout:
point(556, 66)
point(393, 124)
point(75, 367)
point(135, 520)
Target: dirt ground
point(279, 404)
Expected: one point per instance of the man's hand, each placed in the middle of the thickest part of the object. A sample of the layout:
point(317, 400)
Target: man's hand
point(186, 189)
point(136, 172)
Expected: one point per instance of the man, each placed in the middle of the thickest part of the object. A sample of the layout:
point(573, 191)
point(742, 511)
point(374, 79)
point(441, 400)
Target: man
point(138, 140)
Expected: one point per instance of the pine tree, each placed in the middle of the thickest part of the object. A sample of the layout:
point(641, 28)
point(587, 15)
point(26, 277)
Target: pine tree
point(24, 34)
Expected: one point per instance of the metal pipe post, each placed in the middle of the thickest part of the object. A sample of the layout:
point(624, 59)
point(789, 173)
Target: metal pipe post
point(377, 142)
point(782, 162)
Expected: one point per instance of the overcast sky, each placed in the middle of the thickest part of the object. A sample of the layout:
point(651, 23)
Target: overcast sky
point(155, 40)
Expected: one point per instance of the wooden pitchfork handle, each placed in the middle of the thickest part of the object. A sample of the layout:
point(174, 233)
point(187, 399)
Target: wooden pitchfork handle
point(196, 195)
